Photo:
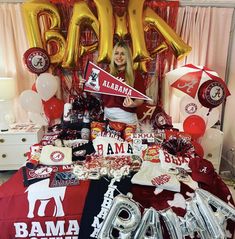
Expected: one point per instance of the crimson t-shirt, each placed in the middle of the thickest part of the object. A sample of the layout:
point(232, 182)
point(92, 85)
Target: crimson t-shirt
point(111, 101)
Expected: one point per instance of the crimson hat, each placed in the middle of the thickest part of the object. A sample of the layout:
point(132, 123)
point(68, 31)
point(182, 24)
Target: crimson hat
point(202, 170)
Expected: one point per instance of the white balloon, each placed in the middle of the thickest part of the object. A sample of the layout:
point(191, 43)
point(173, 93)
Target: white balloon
point(10, 118)
point(31, 101)
point(211, 117)
point(189, 106)
point(46, 86)
point(211, 139)
point(37, 118)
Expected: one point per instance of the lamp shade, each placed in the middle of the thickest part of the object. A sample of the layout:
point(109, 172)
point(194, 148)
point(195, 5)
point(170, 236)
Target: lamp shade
point(7, 116)
point(7, 88)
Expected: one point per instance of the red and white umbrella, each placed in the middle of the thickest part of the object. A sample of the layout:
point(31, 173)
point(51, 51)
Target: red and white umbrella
point(189, 78)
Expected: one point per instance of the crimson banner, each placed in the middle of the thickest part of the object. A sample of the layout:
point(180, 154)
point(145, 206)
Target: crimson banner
point(100, 81)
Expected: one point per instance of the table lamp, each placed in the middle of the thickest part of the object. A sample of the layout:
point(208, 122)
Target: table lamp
point(7, 94)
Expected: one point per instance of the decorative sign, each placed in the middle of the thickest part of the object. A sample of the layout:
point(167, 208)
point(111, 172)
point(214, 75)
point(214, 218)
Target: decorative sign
point(100, 81)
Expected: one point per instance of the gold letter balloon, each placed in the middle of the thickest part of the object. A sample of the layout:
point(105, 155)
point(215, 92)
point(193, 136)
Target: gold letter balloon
point(178, 46)
point(32, 10)
point(135, 12)
point(105, 16)
point(82, 15)
point(134, 21)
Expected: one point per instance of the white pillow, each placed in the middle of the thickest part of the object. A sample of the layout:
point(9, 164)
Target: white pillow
point(52, 155)
point(151, 174)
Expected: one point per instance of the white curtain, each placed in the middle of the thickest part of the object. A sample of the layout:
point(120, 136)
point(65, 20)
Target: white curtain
point(207, 31)
point(13, 44)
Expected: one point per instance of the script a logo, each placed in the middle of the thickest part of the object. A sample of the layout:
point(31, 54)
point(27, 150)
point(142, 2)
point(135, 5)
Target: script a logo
point(57, 156)
point(203, 170)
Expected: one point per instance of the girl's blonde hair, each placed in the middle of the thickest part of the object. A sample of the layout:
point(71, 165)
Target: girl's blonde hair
point(129, 76)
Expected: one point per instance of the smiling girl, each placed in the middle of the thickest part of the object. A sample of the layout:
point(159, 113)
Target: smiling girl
point(117, 108)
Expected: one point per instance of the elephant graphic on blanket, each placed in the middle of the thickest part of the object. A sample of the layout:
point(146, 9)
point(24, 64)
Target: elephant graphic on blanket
point(40, 191)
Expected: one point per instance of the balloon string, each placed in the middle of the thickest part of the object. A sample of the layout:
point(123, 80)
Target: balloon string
point(208, 114)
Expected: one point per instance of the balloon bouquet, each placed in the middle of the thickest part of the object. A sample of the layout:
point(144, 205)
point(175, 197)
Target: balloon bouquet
point(40, 102)
point(203, 92)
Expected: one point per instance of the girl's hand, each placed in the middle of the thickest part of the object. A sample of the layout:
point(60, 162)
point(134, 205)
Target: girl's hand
point(81, 83)
point(120, 79)
point(128, 102)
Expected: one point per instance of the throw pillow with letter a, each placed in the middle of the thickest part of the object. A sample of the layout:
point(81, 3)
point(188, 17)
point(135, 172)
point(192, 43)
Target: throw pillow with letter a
point(52, 155)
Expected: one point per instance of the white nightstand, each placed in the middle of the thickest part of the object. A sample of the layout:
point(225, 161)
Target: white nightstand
point(16, 142)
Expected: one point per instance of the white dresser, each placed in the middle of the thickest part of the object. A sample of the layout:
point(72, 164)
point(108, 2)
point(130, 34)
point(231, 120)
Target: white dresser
point(16, 142)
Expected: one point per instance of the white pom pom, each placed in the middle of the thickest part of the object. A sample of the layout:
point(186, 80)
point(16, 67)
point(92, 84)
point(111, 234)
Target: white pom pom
point(146, 127)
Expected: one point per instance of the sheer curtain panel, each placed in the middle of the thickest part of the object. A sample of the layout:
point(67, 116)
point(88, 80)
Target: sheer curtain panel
point(207, 31)
point(13, 44)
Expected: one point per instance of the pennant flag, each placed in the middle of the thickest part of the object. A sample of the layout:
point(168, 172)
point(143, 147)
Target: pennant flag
point(100, 81)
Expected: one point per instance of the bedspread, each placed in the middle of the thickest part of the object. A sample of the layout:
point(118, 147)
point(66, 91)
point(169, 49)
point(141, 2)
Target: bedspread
point(69, 212)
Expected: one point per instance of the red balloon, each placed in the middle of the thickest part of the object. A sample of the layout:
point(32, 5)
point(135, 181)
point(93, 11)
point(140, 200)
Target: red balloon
point(211, 94)
point(195, 126)
point(198, 149)
point(53, 108)
point(184, 135)
point(170, 133)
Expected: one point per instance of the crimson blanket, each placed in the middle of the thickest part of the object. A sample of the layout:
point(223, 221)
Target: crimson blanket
point(39, 211)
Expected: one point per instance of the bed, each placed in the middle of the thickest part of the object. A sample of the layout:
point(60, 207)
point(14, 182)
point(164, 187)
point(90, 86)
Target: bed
point(33, 208)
